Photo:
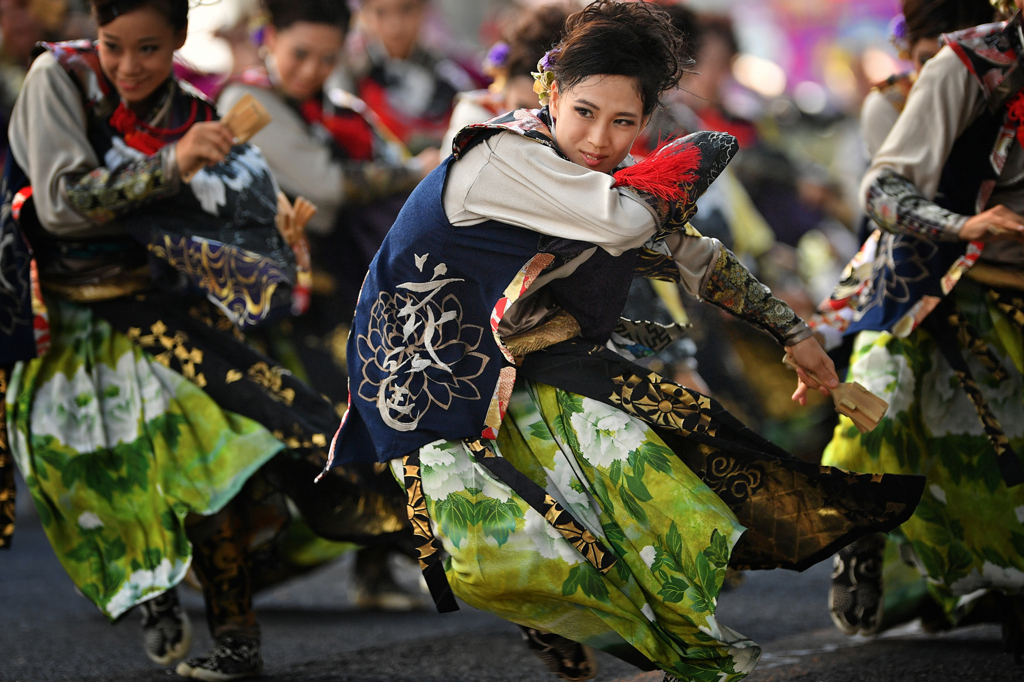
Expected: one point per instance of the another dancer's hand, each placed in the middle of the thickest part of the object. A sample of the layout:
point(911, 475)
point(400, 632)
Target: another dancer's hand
point(427, 160)
point(997, 223)
point(811, 359)
point(205, 144)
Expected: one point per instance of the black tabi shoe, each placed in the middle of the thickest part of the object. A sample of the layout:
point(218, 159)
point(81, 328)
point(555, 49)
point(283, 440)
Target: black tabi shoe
point(166, 630)
point(1013, 627)
point(567, 659)
point(232, 658)
point(375, 588)
point(855, 597)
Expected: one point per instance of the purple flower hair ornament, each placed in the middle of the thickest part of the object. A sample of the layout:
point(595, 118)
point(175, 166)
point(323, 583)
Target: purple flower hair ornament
point(898, 35)
point(544, 76)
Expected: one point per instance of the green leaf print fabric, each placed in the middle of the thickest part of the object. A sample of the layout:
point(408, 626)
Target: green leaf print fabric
point(968, 531)
point(671, 534)
point(116, 449)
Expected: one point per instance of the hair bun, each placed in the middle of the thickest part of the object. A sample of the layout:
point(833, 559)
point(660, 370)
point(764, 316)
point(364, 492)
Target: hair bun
point(634, 39)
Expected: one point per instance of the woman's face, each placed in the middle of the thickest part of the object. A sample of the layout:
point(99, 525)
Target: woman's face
point(922, 50)
point(396, 23)
point(304, 55)
point(136, 52)
point(597, 120)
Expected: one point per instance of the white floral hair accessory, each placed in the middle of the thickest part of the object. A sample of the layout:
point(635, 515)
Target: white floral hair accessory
point(544, 76)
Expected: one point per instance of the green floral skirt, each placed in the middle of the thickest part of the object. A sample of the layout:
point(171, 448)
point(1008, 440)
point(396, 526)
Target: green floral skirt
point(670, 533)
point(968, 531)
point(116, 449)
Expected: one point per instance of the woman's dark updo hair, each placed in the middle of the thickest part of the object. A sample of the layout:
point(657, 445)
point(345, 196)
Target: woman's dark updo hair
point(932, 18)
point(534, 33)
point(633, 39)
point(175, 11)
point(284, 13)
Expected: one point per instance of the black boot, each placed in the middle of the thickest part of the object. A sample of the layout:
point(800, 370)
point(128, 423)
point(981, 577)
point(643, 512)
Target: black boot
point(166, 630)
point(232, 658)
point(567, 659)
point(855, 597)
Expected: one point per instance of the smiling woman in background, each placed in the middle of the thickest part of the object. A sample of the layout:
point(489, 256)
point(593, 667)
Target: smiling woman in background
point(145, 427)
point(327, 146)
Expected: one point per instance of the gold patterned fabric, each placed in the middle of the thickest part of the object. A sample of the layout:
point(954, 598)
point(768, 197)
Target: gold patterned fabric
point(561, 327)
point(7, 489)
point(653, 265)
point(731, 286)
point(796, 513)
point(103, 194)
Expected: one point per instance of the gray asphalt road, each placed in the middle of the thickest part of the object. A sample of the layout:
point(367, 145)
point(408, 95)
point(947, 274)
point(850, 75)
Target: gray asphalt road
point(312, 632)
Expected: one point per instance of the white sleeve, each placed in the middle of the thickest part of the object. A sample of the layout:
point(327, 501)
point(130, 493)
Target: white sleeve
point(49, 141)
point(945, 100)
point(877, 117)
point(518, 181)
point(302, 164)
point(694, 257)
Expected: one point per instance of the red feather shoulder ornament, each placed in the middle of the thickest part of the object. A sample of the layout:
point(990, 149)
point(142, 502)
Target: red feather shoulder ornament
point(664, 172)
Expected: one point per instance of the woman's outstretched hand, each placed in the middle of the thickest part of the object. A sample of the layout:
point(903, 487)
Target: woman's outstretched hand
point(997, 223)
point(205, 144)
point(812, 360)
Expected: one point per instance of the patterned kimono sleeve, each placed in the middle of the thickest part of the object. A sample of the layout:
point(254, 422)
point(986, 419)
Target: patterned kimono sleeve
point(898, 206)
point(103, 194)
point(731, 286)
point(368, 181)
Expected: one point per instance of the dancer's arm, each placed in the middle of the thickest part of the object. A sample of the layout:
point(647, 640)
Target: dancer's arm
point(520, 182)
point(73, 192)
point(304, 165)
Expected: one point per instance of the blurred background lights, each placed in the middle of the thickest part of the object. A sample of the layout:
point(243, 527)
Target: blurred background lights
point(760, 75)
point(810, 97)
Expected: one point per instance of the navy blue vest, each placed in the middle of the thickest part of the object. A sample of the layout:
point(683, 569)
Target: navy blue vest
point(423, 361)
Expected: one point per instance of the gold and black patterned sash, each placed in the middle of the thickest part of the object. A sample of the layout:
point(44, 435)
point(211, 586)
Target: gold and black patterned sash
point(951, 331)
point(1011, 305)
point(428, 548)
point(7, 488)
point(590, 546)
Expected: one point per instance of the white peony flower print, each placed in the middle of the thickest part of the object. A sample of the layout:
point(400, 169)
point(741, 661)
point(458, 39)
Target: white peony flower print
point(548, 542)
point(237, 172)
point(564, 485)
point(647, 611)
point(158, 384)
point(945, 406)
point(606, 434)
point(444, 471)
point(648, 555)
point(88, 520)
point(886, 375)
point(119, 401)
point(142, 582)
point(992, 577)
point(67, 409)
point(745, 658)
